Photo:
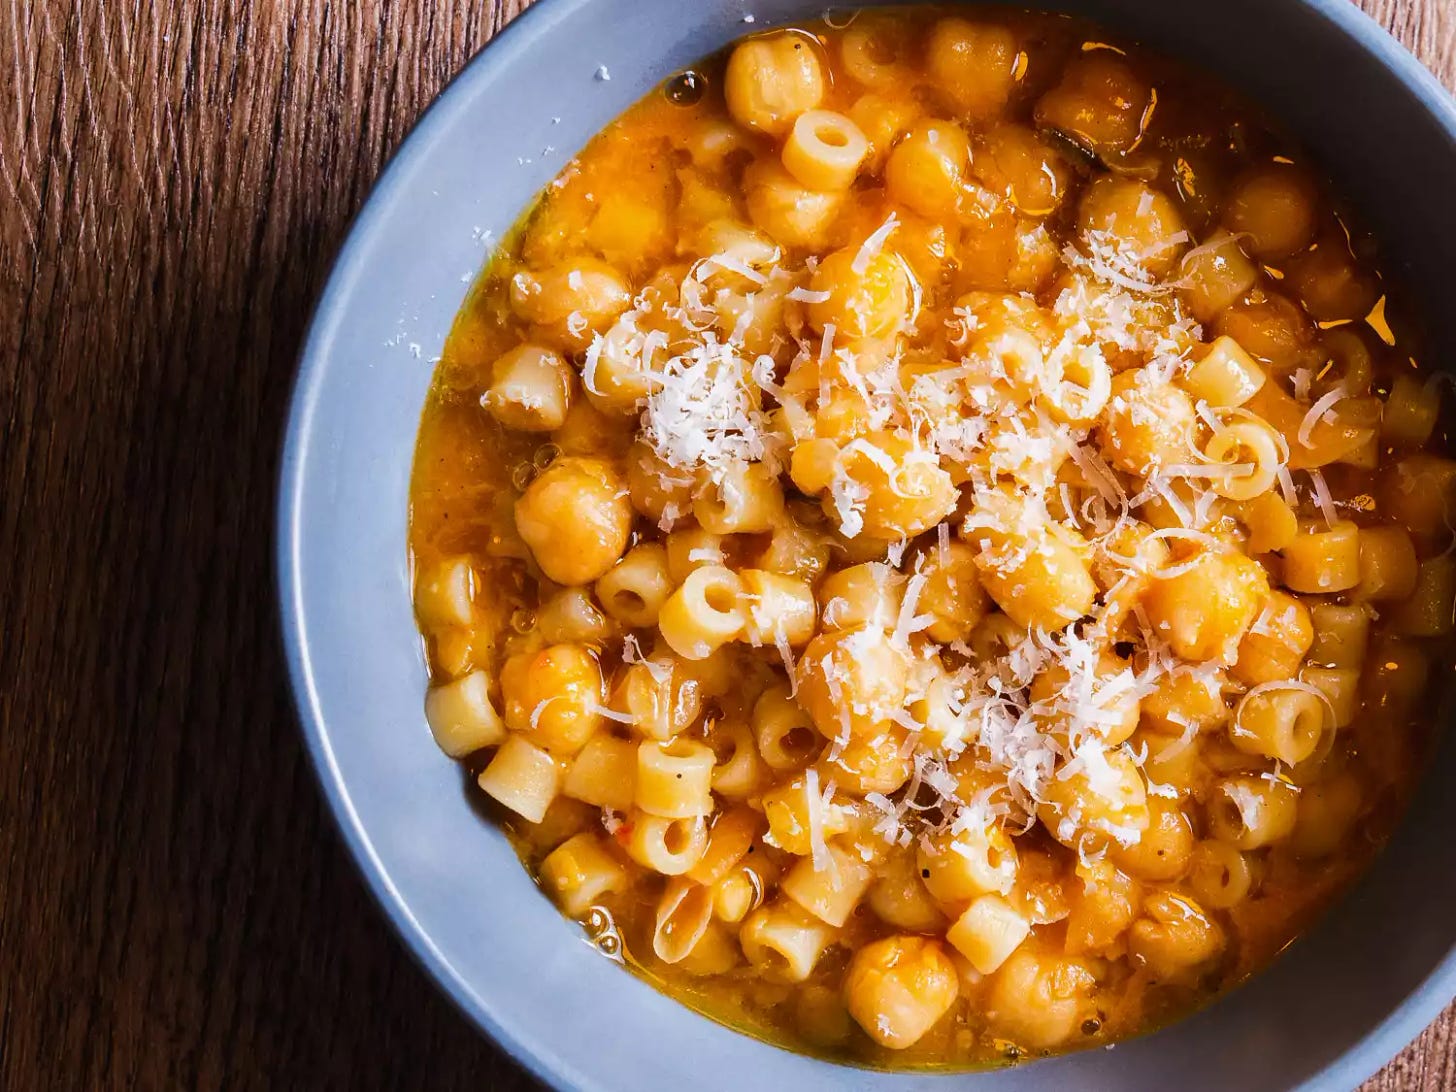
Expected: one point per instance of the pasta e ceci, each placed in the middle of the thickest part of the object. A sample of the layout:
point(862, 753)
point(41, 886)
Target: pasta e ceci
point(929, 538)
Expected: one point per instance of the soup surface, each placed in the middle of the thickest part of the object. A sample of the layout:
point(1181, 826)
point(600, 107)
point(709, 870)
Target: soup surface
point(929, 543)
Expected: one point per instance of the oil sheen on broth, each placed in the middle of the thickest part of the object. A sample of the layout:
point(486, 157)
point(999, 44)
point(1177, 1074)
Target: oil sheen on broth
point(929, 542)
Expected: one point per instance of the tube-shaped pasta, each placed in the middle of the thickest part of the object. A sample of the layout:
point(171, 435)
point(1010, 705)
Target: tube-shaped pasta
point(783, 941)
point(1272, 524)
point(635, 588)
point(683, 914)
point(746, 498)
point(1341, 633)
point(776, 609)
point(1429, 610)
point(976, 861)
point(1327, 812)
point(668, 846)
point(1286, 725)
point(1388, 566)
point(579, 871)
point(705, 613)
point(1323, 559)
point(1226, 376)
point(783, 731)
point(831, 890)
point(1410, 412)
point(523, 777)
point(1249, 445)
point(445, 593)
point(675, 780)
point(1214, 275)
point(824, 150)
point(1341, 688)
point(1220, 875)
point(603, 773)
point(1252, 812)
point(988, 932)
point(729, 841)
point(461, 716)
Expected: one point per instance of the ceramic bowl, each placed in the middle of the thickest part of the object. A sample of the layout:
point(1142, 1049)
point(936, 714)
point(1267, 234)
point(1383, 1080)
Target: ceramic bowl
point(1339, 1003)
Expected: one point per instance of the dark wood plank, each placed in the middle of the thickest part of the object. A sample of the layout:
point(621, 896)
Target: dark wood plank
point(175, 909)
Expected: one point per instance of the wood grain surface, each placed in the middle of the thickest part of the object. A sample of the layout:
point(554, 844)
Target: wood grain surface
point(175, 908)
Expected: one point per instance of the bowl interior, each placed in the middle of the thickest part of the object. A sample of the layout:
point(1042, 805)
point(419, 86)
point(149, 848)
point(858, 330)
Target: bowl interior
point(1330, 1011)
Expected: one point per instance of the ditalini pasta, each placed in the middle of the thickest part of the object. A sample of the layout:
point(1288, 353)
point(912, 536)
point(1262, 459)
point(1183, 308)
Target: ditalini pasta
point(934, 529)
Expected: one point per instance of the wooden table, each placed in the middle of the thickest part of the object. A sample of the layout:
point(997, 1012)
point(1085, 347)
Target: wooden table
point(175, 909)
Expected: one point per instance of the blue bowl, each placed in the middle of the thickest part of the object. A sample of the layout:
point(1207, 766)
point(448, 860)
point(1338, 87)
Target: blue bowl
point(1338, 1004)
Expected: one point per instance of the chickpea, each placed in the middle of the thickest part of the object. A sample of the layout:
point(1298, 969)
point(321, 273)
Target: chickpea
point(952, 594)
point(1147, 423)
point(875, 302)
point(1330, 283)
point(1187, 698)
point(1144, 224)
point(570, 302)
point(1271, 328)
point(1204, 611)
point(883, 119)
point(1275, 647)
point(975, 66)
point(1163, 852)
point(897, 988)
point(900, 898)
point(658, 491)
point(878, 762)
point(783, 208)
point(1109, 688)
point(926, 170)
point(575, 519)
point(901, 500)
point(1040, 1000)
point(771, 80)
point(1099, 102)
point(1275, 207)
point(553, 698)
point(1079, 815)
point(531, 390)
point(821, 1017)
point(1175, 939)
point(1103, 904)
point(851, 681)
point(1012, 161)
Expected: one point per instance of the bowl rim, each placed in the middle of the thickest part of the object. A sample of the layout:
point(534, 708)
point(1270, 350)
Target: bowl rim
point(533, 1052)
